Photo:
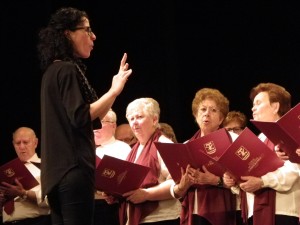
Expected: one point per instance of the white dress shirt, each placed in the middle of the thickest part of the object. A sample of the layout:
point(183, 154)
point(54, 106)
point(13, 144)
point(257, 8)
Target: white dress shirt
point(24, 209)
point(285, 181)
point(114, 148)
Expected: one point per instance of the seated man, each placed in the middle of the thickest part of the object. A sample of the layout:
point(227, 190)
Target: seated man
point(27, 206)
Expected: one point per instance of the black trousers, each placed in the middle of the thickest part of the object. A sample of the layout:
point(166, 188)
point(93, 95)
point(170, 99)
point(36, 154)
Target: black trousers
point(281, 220)
point(41, 220)
point(106, 214)
point(239, 219)
point(72, 200)
point(199, 220)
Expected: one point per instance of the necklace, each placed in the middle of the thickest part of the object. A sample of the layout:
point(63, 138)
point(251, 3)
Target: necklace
point(88, 92)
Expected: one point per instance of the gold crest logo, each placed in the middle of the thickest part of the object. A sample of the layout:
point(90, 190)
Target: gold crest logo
point(108, 173)
point(9, 172)
point(210, 147)
point(242, 153)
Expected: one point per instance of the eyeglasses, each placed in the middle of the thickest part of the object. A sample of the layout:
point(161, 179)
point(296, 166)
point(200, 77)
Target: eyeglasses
point(106, 122)
point(236, 130)
point(209, 109)
point(86, 29)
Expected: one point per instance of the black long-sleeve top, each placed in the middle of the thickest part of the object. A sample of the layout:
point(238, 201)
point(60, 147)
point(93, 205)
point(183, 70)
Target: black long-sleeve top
point(67, 137)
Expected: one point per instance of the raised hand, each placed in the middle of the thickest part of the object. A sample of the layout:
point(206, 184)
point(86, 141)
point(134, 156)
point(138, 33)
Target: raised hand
point(120, 79)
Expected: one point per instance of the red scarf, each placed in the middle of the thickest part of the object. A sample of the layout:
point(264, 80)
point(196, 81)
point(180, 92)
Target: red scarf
point(148, 157)
point(264, 202)
point(264, 207)
point(244, 206)
point(217, 205)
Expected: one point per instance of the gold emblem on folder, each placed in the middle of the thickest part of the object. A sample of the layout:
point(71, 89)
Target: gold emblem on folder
point(9, 172)
point(242, 153)
point(210, 147)
point(109, 173)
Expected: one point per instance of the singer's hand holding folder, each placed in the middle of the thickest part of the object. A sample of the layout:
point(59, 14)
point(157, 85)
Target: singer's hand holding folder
point(202, 151)
point(16, 169)
point(249, 156)
point(285, 131)
point(116, 176)
point(246, 156)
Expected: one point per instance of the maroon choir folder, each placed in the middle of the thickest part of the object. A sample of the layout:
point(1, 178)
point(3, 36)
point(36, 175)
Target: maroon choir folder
point(202, 151)
point(116, 176)
point(249, 156)
point(285, 131)
point(16, 169)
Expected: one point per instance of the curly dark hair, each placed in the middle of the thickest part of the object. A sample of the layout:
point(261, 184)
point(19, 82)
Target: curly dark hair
point(53, 43)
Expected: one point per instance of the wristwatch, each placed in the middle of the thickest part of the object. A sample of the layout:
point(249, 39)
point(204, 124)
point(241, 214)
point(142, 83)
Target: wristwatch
point(220, 182)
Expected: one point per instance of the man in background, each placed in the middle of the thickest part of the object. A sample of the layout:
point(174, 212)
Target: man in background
point(107, 214)
point(27, 206)
point(124, 133)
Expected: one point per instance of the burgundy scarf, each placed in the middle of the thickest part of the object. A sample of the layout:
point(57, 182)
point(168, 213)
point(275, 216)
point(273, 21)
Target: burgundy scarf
point(264, 207)
point(217, 205)
point(244, 206)
point(264, 202)
point(148, 157)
